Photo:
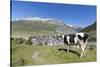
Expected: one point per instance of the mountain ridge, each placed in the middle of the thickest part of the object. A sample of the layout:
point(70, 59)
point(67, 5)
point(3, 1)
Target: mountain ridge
point(39, 24)
point(43, 20)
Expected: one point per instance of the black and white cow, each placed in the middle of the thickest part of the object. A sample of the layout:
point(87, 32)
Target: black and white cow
point(78, 38)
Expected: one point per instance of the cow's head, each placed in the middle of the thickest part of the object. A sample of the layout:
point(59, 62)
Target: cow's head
point(82, 37)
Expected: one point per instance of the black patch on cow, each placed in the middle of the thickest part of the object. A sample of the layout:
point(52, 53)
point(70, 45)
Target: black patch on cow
point(71, 39)
point(65, 39)
point(85, 37)
point(80, 37)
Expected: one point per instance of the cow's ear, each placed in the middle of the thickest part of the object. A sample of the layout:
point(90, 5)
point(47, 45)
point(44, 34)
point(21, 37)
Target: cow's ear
point(69, 35)
point(74, 35)
point(85, 37)
point(79, 37)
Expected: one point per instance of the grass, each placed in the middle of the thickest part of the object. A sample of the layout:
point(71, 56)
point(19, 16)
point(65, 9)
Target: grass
point(37, 55)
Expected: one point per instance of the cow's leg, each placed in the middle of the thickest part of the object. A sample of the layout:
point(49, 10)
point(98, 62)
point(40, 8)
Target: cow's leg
point(68, 47)
point(83, 46)
point(82, 49)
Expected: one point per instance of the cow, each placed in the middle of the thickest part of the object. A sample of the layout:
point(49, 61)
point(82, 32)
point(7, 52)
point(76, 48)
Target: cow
point(78, 39)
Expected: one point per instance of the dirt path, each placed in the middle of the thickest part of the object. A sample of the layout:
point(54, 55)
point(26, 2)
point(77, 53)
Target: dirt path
point(37, 58)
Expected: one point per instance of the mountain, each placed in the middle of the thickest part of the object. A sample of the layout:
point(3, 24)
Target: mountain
point(42, 20)
point(40, 25)
point(77, 28)
point(91, 30)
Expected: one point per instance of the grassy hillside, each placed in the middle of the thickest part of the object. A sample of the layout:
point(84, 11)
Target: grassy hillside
point(91, 30)
point(36, 55)
point(34, 27)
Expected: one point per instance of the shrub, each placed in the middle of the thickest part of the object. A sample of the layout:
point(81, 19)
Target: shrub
point(19, 40)
point(11, 38)
point(29, 41)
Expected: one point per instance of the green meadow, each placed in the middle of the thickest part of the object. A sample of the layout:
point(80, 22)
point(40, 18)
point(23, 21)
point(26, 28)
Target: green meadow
point(23, 55)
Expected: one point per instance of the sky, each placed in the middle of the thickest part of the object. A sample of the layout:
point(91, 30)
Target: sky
point(76, 15)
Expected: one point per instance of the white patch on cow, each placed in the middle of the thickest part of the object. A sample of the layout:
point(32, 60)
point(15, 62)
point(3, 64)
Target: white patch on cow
point(75, 40)
point(68, 39)
point(81, 34)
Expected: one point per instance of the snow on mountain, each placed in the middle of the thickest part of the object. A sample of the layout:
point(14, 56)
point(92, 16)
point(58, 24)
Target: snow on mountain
point(35, 18)
point(43, 20)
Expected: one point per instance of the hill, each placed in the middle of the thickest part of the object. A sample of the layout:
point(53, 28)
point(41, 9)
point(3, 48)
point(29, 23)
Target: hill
point(91, 30)
point(40, 25)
